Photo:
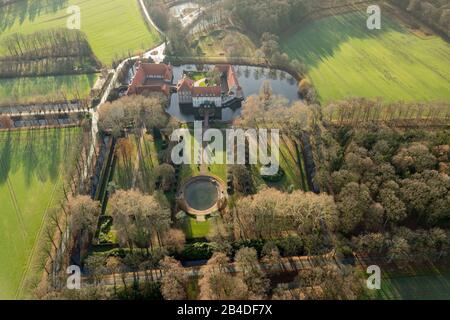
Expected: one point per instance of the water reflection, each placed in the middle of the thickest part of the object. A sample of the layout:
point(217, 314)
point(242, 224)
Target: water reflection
point(250, 79)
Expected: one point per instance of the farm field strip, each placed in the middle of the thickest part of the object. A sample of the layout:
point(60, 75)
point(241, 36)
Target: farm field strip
point(114, 28)
point(50, 88)
point(421, 287)
point(345, 59)
point(32, 165)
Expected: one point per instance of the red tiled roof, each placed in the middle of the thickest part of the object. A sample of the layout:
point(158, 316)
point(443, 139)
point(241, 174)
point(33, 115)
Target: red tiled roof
point(215, 91)
point(232, 79)
point(139, 84)
point(212, 91)
point(161, 69)
point(138, 79)
point(151, 88)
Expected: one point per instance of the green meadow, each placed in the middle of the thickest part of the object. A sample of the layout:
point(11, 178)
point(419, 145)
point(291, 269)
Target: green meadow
point(345, 59)
point(196, 229)
point(50, 88)
point(114, 28)
point(421, 287)
point(32, 164)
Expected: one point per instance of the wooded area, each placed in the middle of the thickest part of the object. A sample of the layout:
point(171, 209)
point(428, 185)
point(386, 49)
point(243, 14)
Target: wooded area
point(261, 16)
point(390, 184)
point(435, 13)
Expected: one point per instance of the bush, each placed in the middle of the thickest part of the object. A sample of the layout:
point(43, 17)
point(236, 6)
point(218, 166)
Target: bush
point(104, 235)
point(196, 251)
point(255, 244)
point(290, 246)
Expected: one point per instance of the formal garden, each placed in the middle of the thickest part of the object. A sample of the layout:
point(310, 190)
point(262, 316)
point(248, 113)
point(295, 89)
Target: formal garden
point(187, 210)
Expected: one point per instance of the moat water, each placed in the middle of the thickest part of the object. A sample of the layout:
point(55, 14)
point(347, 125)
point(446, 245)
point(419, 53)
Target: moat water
point(250, 78)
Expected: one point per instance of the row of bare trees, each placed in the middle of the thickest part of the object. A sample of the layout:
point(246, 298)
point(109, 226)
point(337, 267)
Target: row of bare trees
point(47, 52)
point(49, 43)
point(248, 278)
point(362, 111)
point(435, 13)
point(72, 225)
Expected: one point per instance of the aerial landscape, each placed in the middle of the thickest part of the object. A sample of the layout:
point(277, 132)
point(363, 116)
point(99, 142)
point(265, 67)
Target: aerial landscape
point(224, 150)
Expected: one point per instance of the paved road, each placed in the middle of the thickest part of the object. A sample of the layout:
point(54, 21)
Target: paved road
point(147, 16)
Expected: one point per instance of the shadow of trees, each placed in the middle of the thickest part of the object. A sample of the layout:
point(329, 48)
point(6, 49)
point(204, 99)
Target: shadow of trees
point(41, 154)
point(5, 156)
point(27, 10)
point(319, 40)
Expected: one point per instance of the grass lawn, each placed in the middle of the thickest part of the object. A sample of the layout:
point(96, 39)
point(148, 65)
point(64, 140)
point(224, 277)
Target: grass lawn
point(192, 170)
point(125, 162)
point(345, 59)
point(194, 229)
point(36, 89)
point(114, 28)
point(224, 43)
point(217, 169)
point(197, 75)
point(32, 164)
point(420, 287)
point(150, 148)
point(291, 162)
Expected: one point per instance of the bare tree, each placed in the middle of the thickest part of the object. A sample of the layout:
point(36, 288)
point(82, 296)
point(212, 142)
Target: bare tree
point(139, 219)
point(218, 284)
point(174, 282)
point(175, 240)
point(83, 215)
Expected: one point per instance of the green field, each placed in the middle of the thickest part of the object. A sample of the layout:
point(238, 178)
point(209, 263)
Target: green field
point(345, 59)
point(423, 287)
point(226, 43)
point(52, 88)
point(196, 229)
point(114, 28)
point(32, 164)
point(218, 170)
